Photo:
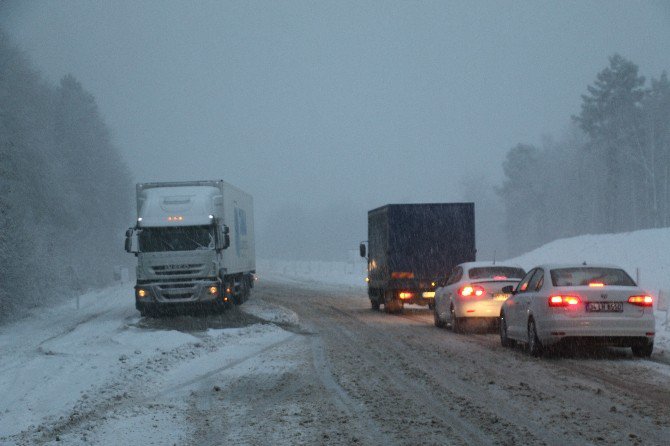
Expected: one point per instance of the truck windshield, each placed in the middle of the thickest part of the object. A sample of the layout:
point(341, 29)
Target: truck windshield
point(179, 238)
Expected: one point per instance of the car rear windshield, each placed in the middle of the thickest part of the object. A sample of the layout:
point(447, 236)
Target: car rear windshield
point(496, 272)
point(590, 276)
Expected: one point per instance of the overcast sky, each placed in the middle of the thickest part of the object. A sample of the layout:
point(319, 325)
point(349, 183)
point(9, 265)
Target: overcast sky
point(310, 103)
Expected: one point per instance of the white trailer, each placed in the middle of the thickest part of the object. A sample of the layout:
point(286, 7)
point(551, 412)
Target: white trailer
point(194, 243)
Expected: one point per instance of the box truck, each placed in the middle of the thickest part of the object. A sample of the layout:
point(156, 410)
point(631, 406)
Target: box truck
point(412, 247)
point(194, 243)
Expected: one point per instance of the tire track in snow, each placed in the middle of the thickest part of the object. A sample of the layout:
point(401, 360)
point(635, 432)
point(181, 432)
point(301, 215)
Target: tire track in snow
point(134, 394)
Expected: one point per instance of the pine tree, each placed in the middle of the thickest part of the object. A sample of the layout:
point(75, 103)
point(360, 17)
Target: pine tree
point(611, 116)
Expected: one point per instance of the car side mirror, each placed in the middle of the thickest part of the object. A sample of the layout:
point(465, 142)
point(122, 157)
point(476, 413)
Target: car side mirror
point(509, 289)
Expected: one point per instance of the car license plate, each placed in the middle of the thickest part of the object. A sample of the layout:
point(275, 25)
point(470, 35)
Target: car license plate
point(500, 296)
point(604, 307)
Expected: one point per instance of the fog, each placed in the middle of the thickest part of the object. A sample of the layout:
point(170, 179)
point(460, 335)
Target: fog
point(324, 110)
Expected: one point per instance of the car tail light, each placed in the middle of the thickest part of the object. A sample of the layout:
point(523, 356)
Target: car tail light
point(499, 277)
point(596, 284)
point(642, 301)
point(405, 295)
point(471, 290)
point(563, 301)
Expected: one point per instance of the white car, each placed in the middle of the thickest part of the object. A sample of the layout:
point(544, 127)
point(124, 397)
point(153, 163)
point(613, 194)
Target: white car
point(474, 290)
point(595, 303)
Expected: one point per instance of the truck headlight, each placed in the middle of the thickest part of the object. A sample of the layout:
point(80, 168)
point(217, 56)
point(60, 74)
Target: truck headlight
point(141, 293)
point(213, 290)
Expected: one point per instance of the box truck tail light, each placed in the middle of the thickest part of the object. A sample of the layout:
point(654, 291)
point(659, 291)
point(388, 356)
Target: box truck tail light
point(402, 275)
point(563, 301)
point(642, 301)
point(471, 291)
point(405, 295)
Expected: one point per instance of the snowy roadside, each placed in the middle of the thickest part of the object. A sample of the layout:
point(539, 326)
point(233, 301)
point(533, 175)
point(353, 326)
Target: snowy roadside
point(62, 364)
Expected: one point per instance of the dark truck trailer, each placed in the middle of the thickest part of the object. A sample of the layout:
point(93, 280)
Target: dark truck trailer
point(412, 246)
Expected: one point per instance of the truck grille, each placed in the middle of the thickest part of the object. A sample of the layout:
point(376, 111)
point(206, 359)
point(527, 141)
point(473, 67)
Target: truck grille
point(174, 270)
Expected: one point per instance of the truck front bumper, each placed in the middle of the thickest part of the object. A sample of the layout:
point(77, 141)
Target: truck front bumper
point(166, 294)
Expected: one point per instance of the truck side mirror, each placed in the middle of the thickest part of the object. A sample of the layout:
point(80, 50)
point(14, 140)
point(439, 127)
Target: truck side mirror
point(226, 236)
point(362, 249)
point(223, 238)
point(131, 241)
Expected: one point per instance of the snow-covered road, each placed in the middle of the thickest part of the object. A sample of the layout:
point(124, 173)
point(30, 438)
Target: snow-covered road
point(308, 364)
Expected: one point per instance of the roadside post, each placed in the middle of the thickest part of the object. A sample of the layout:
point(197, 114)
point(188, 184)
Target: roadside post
point(662, 305)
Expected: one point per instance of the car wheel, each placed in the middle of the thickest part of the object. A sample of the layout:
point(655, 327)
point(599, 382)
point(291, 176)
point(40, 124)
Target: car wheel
point(505, 341)
point(456, 322)
point(534, 345)
point(643, 350)
point(439, 323)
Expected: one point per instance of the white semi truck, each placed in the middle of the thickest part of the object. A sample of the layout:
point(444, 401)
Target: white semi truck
point(194, 243)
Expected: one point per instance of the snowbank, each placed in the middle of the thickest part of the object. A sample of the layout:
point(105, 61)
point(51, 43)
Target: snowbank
point(350, 273)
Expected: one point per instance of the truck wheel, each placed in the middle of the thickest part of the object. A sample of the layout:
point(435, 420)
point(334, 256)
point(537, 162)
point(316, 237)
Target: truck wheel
point(392, 305)
point(146, 311)
point(374, 304)
point(396, 306)
point(246, 288)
